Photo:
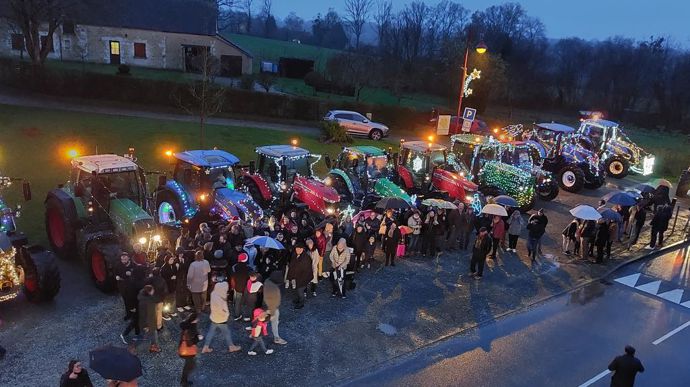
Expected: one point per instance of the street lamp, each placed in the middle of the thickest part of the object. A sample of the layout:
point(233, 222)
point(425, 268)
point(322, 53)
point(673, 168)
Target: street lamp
point(481, 48)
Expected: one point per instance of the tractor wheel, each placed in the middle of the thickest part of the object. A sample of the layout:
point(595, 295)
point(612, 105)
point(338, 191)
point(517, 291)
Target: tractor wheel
point(597, 183)
point(168, 209)
point(617, 167)
point(255, 193)
point(100, 270)
point(60, 231)
point(341, 187)
point(529, 205)
point(549, 192)
point(41, 274)
point(571, 178)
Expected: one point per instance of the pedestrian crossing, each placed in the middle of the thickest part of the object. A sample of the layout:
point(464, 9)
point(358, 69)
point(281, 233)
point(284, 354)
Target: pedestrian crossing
point(666, 290)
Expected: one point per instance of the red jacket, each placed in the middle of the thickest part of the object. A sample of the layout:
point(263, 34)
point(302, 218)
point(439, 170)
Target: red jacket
point(499, 229)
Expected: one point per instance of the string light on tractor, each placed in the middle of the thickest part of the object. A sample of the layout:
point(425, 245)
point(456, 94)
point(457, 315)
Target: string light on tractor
point(9, 276)
point(169, 153)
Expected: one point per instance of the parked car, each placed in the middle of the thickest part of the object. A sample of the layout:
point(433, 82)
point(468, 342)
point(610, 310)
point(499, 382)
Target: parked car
point(357, 125)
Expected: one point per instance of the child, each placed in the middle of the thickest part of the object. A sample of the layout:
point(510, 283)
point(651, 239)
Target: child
point(369, 251)
point(258, 332)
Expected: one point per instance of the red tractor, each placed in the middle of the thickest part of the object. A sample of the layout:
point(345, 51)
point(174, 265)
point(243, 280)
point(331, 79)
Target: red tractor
point(283, 176)
point(423, 169)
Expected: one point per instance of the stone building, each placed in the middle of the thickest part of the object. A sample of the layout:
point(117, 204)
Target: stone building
point(165, 34)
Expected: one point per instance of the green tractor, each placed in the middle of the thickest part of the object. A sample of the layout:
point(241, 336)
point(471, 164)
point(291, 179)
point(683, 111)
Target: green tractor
point(101, 212)
point(362, 176)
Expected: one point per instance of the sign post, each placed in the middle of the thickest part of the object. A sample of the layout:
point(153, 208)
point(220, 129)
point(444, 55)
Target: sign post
point(467, 118)
point(443, 125)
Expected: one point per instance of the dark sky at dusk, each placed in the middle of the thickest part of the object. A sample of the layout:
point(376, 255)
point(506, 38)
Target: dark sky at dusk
point(588, 19)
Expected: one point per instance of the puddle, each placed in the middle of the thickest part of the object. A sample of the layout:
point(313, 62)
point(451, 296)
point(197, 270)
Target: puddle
point(387, 329)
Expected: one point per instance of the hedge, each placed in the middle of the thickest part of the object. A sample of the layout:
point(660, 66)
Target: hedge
point(137, 91)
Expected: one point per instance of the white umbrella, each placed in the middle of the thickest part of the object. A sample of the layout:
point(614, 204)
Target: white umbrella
point(585, 212)
point(438, 203)
point(495, 209)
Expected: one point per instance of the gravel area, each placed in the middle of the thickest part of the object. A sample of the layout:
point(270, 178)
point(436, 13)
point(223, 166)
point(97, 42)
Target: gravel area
point(391, 312)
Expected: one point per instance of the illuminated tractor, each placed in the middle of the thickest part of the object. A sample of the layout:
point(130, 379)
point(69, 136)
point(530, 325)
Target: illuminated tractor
point(619, 154)
point(202, 187)
point(574, 166)
point(423, 169)
point(99, 213)
point(23, 267)
point(282, 177)
point(498, 168)
point(362, 176)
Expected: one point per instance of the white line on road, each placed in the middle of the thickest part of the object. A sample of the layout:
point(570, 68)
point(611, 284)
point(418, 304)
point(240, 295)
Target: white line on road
point(594, 379)
point(673, 332)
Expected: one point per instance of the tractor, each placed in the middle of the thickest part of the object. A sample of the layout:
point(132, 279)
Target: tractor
point(30, 268)
point(423, 169)
point(282, 177)
point(619, 153)
point(362, 176)
point(574, 166)
point(202, 187)
point(492, 165)
point(99, 213)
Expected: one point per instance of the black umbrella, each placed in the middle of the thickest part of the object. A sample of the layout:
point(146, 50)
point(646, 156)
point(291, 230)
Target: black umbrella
point(644, 188)
point(392, 203)
point(115, 363)
point(329, 219)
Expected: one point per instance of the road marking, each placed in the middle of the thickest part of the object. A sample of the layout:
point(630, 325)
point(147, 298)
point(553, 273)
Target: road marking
point(651, 288)
point(630, 280)
point(595, 379)
point(673, 332)
point(673, 295)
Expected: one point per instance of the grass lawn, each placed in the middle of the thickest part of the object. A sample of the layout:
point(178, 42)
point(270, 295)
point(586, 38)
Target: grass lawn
point(271, 50)
point(137, 72)
point(34, 142)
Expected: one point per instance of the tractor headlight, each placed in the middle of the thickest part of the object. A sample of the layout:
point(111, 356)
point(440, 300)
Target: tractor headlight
point(328, 181)
point(330, 210)
point(142, 240)
point(469, 198)
point(427, 178)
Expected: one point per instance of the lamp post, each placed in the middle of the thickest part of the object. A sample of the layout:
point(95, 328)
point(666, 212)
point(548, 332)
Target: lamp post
point(481, 48)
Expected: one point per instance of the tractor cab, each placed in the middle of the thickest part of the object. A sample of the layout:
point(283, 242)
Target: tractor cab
point(367, 161)
point(281, 164)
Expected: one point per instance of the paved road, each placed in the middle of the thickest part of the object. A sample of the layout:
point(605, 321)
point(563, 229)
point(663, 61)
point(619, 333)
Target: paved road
point(569, 340)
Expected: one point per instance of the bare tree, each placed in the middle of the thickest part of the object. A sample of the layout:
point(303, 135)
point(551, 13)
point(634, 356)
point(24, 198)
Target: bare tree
point(203, 97)
point(29, 16)
point(383, 19)
point(352, 69)
point(247, 7)
point(356, 15)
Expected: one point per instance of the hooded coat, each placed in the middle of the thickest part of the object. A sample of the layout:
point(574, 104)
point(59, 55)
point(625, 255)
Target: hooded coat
point(220, 313)
point(300, 269)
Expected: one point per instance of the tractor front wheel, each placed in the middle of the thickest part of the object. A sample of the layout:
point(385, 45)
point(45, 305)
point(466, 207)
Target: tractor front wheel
point(61, 235)
point(617, 167)
point(571, 178)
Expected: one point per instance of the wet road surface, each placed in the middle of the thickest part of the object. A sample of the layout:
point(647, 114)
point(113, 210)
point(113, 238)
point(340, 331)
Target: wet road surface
point(570, 340)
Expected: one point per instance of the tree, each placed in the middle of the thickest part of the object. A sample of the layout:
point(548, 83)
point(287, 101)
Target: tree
point(357, 14)
point(270, 26)
point(352, 69)
point(294, 26)
point(30, 16)
point(329, 31)
point(203, 97)
point(247, 7)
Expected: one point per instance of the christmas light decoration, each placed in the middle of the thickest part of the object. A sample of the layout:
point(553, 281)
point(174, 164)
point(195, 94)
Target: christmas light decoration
point(10, 280)
point(417, 164)
point(189, 207)
point(475, 74)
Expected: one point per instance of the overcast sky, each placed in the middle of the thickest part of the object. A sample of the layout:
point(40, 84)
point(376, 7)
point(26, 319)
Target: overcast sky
point(588, 19)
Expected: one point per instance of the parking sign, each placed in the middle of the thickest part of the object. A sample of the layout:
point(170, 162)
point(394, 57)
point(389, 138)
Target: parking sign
point(469, 114)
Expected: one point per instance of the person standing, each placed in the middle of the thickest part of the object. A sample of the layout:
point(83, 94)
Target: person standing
point(340, 258)
point(258, 331)
point(482, 246)
point(123, 271)
point(182, 294)
point(638, 223)
point(272, 299)
point(568, 234)
point(317, 264)
point(197, 280)
point(359, 243)
point(659, 225)
point(76, 376)
point(429, 233)
point(625, 367)
point(498, 234)
point(515, 225)
point(238, 282)
point(299, 274)
point(220, 314)
point(147, 316)
point(467, 218)
point(415, 223)
point(587, 236)
point(390, 242)
point(453, 220)
point(187, 349)
point(536, 227)
point(169, 272)
point(601, 239)
point(160, 286)
point(251, 295)
point(614, 231)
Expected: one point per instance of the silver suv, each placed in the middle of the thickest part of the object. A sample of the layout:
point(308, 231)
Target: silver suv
point(357, 125)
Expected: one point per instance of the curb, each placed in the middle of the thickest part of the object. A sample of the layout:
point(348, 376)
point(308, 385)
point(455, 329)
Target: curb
point(652, 254)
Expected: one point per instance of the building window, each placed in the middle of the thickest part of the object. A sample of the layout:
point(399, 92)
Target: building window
point(140, 50)
point(114, 47)
point(67, 44)
point(18, 42)
point(49, 42)
point(68, 27)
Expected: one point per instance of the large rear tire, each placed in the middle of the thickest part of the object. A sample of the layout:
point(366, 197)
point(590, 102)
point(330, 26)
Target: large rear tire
point(549, 192)
point(61, 234)
point(41, 274)
point(254, 191)
point(169, 210)
point(571, 178)
point(617, 167)
point(100, 270)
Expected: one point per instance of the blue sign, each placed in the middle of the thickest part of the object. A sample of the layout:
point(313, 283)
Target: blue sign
point(469, 114)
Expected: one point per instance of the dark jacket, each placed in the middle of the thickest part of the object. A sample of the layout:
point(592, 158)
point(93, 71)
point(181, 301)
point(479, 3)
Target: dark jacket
point(570, 230)
point(147, 310)
point(360, 240)
point(661, 218)
point(192, 332)
point(624, 368)
point(299, 269)
point(537, 225)
point(602, 236)
point(159, 285)
point(82, 380)
point(239, 277)
point(392, 241)
point(481, 247)
point(168, 271)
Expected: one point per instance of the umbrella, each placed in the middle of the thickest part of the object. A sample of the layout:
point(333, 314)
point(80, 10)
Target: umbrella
point(610, 214)
point(585, 212)
point(405, 230)
point(115, 363)
point(644, 188)
point(494, 209)
point(361, 215)
point(264, 241)
point(664, 183)
point(619, 197)
point(438, 203)
point(392, 203)
point(506, 200)
point(634, 193)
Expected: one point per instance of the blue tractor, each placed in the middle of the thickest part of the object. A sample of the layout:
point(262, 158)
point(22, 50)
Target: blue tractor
point(202, 188)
